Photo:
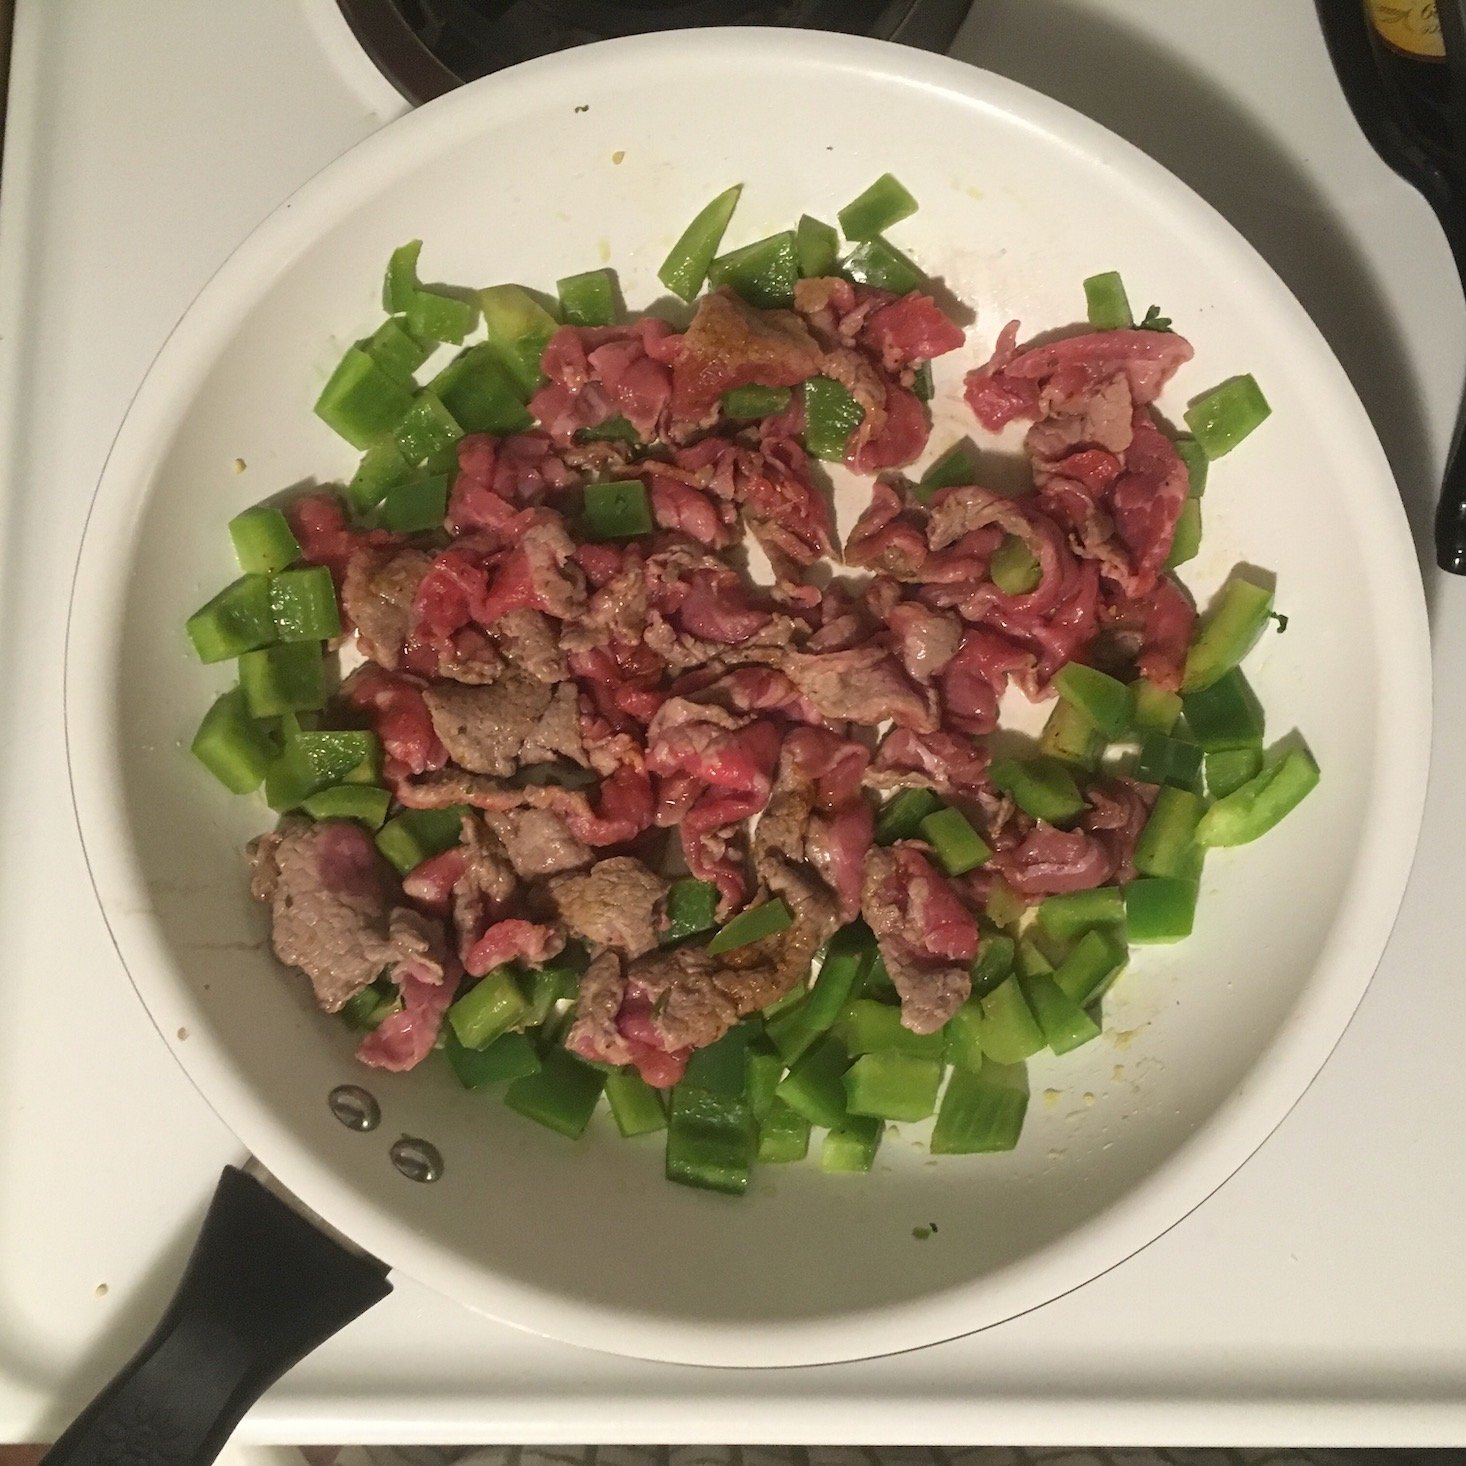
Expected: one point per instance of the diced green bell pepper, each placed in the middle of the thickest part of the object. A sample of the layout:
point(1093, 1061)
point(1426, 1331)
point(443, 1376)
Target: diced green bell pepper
point(231, 745)
point(869, 1027)
point(1230, 768)
point(763, 1070)
point(588, 299)
point(382, 465)
point(955, 466)
point(1188, 450)
point(783, 1135)
point(686, 266)
point(957, 846)
point(365, 1010)
point(848, 959)
point(1167, 844)
point(1167, 760)
point(982, 1111)
point(479, 393)
point(752, 925)
point(562, 1096)
point(434, 315)
point(613, 430)
point(691, 907)
point(418, 505)
point(901, 816)
point(510, 1056)
point(994, 961)
point(814, 1086)
point(1160, 909)
point(1107, 703)
point(1008, 1032)
point(395, 349)
point(744, 404)
point(886, 202)
point(1028, 956)
point(1229, 630)
point(1042, 787)
point(493, 1005)
point(1004, 907)
point(711, 1141)
point(1107, 303)
point(313, 761)
point(1096, 960)
point(636, 1107)
point(1013, 568)
point(547, 985)
point(891, 1085)
point(264, 543)
point(1187, 539)
point(831, 415)
point(851, 1148)
point(1064, 1023)
point(878, 262)
point(237, 620)
point(364, 803)
point(1221, 418)
point(1076, 912)
point(303, 605)
point(1261, 802)
point(416, 835)
point(763, 273)
point(399, 284)
point(518, 329)
point(360, 401)
point(1070, 737)
point(617, 511)
point(427, 428)
point(1155, 709)
point(722, 1067)
point(921, 381)
point(1225, 715)
point(283, 679)
point(818, 247)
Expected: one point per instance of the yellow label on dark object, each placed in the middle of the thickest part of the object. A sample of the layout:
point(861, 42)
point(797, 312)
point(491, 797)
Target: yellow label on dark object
point(1411, 26)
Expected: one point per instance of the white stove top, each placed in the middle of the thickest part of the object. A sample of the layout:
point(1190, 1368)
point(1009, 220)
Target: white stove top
point(1317, 1297)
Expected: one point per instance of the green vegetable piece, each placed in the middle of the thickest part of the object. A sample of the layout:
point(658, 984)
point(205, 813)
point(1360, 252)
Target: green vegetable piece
point(785, 1001)
point(1229, 769)
point(921, 381)
point(396, 350)
point(1028, 958)
point(1107, 303)
point(955, 466)
point(692, 907)
point(1064, 1023)
point(1155, 709)
point(360, 401)
point(1107, 703)
point(263, 540)
point(1188, 450)
point(686, 267)
point(418, 505)
point(1097, 960)
point(427, 428)
point(434, 315)
point(1076, 912)
point(363, 803)
point(877, 983)
point(869, 1027)
point(783, 1135)
point(994, 961)
point(365, 1010)
point(1260, 803)
point(559, 978)
point(884, 203)
point(722, 1067)
point(283, 679)
point(753, 925)
point(1167, 843)
point(1167, 760)
point(614, 430)
point(313, 761)
point(588, 299)
point(510, 1056)
point(744, 404)
point(1227, 632)
point(562, 1096)
point(957, 846)
point(848, 958)
point(1225, 715)
point(399, 285)
point(1187, 539)
point(382, 465)
point(1042, 787)
point(962, 1035)
point(890, 1085)
point(1069, 736)
point(1004, 907)
point(817, 246)
point(417, 835)
point(303, 605)
point(1221, 418)
point(851, 1148)
point(636, 1107)
point(479, 393)
point(982, 1111)
point(831, 414)
point(764, 273)
point(814, 1086)
point(237, 620)
point(711, 1140)
point(764, 1070)
point(1013, 568)
point(617, 511)
point(518, 328)
point(231, 745)
point(493, 1005)
point(1008, 1032)
point(1160, 909)
point(901, 816)
point(878, 262)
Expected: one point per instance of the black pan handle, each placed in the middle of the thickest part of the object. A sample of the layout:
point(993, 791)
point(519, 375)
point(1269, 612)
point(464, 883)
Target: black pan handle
point(262, 1289)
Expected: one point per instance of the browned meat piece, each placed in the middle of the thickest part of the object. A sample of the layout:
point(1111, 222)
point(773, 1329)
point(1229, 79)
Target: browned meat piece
point(863, 685)
point(484, 727)
point(557, 734)
point(487, 882)
point(377, 593)
point(331, 910)
point(594, 1034)
point(530, 641)
point(616, 903)
point(539, 842)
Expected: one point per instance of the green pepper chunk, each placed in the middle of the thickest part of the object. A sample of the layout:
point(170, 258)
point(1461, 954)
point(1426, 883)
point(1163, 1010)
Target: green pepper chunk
point(1261, 802)
point(1186, 541)
point(994, 961)
point(1069, 736)
point(1014, 568)
point(303, 605)
point(1155, 709)
point(1042, 787)
point(955, 466)
point(982, 1110)
point(1225, 715)
point(360, 401)
point(868, 1027)
point(1065, 1025)
point(753, 925)
point(263, 541)
point(416, 835)
point(1227, 632)
point(382, 466)
point(427, 428)
point(691, 907)
point(711, 1141)
point(237, 620)
point(1003, 906)
point(365, 1010)
point(686, 266)
point(783, 1135)
point(878, 262)
point(886, 202)
point(850, 1149)
point(1107, 303)
point(901, 816)
point(814, 1086)
point(433, 315)
point(847, 962)
point(1105, 701)
point(1167, 843)
point(636, 1107)
point(1076, 912)
point(831, 414)
point(493, 1005)
point(479, 393)
point(313, 761)
point(957, 846)
point(1008, 1031)
point(415, 506)
point(562, 1096)
point(231, 745)
point(510, 1056)
point(518, 328)
point(922, 383)
point(817, 245)
point(1028, 958)
point(744, 404)
point(588, 299)
point(1167, 760)
point(396, 349)
point(1188, 450)
point(1160, 909)
point(1221, 418)
point(722, 1067)
point(613, 430)
point(364, 803)
point(1230, 768)
point(617, 511)
point(399, 285)
point(1097, 959)
point(284, 678)
point(763, 273)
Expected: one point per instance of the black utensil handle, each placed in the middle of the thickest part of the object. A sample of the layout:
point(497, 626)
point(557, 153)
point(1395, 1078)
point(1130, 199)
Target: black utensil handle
point(262, 1288)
